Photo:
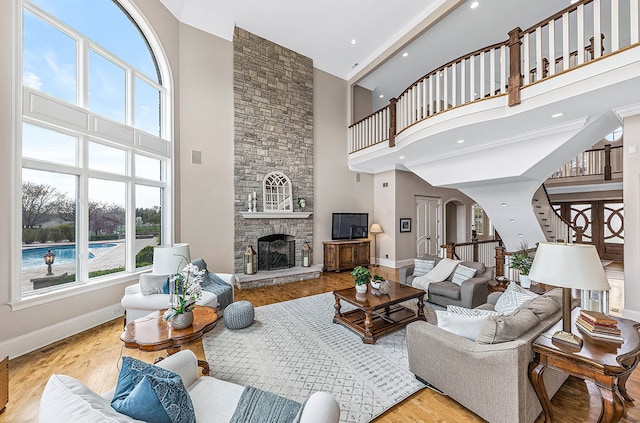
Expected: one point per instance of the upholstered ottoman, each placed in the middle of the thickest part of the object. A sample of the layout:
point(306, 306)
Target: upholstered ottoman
point(239, 315)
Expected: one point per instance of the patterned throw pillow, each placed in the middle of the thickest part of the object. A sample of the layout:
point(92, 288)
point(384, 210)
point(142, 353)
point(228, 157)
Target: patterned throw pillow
point(466, 326)
point(152, 394)
point(512, 298)
point(471, 311)
point(462, 273)
point(422, 267)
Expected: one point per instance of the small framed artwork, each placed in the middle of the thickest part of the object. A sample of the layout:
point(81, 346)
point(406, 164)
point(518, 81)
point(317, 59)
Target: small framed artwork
point(405, 225)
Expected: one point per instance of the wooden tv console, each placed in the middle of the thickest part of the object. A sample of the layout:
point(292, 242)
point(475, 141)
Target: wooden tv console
point(347, 254)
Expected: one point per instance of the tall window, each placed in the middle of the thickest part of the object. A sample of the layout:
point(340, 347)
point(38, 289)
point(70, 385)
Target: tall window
point(95, 145)
point(478, 219)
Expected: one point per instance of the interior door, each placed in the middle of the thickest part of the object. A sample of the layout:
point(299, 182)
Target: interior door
point(428, 225)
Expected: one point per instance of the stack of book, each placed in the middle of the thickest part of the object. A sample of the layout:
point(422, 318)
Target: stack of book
point(599, 325)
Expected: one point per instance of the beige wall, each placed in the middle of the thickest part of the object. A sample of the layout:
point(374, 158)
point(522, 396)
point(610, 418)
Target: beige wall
point(206, 122)
point(385, 214)
point(631, 187)
point(336, 187)
point(408, 187)
point(362, 103)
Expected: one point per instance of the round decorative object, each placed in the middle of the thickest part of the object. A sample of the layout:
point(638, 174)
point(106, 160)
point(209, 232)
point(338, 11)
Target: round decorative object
point(384, 287)
point(182, 321)
point(239, 315)
point(361, 288)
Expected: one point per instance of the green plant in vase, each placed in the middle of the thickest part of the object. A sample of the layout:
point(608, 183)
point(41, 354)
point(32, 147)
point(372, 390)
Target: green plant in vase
point(375, 281)
point(361, 277)
point(521, 261)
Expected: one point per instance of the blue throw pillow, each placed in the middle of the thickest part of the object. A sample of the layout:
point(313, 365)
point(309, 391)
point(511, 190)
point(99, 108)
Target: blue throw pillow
point(165, 286)
point(152, 394)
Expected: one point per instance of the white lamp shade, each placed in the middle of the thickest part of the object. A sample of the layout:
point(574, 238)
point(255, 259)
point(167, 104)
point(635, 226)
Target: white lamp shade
point(569, 266)
point(375, 229)
point(170, 259)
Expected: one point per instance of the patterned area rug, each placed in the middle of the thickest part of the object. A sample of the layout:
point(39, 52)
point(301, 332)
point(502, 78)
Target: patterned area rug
point(293, 349)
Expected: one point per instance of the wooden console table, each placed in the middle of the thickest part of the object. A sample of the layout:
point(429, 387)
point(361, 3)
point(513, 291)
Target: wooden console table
point(607, 364)
point(347, 254)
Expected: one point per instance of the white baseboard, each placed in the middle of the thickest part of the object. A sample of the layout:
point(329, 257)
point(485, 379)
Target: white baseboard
point(631, 314)
point(393, 263)
point(39, 338)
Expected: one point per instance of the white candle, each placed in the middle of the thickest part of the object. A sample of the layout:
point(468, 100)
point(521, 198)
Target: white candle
point(254, 195)
point(249, 198)
point(305, 261)
point(249, 268)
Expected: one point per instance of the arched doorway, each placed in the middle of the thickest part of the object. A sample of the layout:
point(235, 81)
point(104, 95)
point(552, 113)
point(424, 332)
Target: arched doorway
point(455, 222)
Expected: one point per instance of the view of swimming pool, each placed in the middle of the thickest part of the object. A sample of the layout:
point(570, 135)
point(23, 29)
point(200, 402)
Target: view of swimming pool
point(33, 257)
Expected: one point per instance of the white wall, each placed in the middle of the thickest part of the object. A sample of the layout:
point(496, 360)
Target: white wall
point(631, 188)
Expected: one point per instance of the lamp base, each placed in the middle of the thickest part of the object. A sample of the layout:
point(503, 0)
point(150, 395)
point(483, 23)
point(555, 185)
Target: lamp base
point(567, 338)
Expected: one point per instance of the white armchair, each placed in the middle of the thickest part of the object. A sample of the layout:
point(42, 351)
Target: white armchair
point(66, 399)
point(146, 296)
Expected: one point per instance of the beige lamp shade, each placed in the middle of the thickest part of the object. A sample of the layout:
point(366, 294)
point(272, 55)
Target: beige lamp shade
point(375, 229)
point(170, 259)
point(569, 266)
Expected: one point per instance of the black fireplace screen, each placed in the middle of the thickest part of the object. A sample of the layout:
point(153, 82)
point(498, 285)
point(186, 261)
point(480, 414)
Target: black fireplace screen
point(276, 252)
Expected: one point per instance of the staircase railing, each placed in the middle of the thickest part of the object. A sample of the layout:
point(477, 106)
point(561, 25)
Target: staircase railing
point(480, 251)
point(549, 48)
point(599, 161)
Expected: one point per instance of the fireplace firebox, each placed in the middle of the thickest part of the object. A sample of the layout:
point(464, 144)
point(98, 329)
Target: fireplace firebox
point(276, 252)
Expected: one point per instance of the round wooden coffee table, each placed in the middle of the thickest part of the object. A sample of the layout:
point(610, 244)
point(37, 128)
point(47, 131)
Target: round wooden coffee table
point(153, 333)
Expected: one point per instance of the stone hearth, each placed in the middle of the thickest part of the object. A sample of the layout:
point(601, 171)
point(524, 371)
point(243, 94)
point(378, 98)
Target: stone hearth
point(277, 277)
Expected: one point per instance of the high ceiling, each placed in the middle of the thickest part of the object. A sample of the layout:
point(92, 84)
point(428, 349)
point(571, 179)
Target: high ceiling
point(323, 31)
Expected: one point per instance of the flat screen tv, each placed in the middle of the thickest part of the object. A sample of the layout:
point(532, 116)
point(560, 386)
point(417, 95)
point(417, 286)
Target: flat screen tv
point(349, 225)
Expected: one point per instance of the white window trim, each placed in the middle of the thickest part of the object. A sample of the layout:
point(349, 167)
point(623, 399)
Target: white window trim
point(16, 301)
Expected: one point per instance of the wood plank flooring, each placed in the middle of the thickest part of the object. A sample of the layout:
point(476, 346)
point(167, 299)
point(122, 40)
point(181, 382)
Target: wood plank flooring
point(93, 357)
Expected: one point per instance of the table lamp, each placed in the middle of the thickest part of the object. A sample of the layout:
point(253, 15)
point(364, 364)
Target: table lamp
point(375, 230)
point(169, 260)
point(568, 266)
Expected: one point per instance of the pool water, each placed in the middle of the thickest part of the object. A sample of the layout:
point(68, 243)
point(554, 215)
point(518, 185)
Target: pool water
point(65, 254)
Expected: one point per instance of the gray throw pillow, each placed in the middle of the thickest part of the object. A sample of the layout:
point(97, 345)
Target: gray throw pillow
point(499, 329)
point(542, 306)
point(153, 284)
point(462, 273)
point(422, 267)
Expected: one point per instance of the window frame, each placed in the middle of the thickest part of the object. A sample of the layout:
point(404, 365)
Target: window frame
point(158, 146)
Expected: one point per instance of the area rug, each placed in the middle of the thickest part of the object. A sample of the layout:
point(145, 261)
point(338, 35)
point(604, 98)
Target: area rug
point(293, 349)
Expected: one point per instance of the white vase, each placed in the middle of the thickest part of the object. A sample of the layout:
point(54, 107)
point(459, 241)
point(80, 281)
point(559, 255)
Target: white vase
point(361, 288)
point(525, 282)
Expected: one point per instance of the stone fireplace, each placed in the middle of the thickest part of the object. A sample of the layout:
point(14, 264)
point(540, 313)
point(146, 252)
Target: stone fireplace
point(276, 252)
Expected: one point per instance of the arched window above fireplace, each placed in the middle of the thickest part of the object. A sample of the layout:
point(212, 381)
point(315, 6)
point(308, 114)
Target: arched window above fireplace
point(276, 196)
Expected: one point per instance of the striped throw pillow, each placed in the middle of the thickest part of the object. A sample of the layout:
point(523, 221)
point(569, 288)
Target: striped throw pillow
point(422, 267)
point(462, 273)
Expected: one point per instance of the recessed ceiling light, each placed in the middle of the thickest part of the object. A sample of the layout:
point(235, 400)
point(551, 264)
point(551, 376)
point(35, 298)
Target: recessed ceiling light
point(512, 220)
point(405, 54)
point(503, 204)
point(555, 115)
point(460, 141)
point(475, 4)
point(401, 157)
point(381, 96)
point(520, 234)
point(354, 42)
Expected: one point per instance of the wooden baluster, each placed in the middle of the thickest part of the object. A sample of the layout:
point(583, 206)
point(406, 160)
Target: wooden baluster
point(392, 121)
point(515, 77)
point(607, 162)
point(499, 261)
point(475, 249)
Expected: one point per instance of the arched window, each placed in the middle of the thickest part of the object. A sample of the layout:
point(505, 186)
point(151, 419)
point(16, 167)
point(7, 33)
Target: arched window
point(94, 144)
point(478, 219)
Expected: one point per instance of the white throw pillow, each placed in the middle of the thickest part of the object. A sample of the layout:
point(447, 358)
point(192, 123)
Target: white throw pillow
point(471, 311)
point(153, 284)
point(462, 273)
point(422, 267)
point(465, 326)
point(512, 298)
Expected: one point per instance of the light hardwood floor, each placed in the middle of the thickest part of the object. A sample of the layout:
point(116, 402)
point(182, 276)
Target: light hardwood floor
point(93, 356)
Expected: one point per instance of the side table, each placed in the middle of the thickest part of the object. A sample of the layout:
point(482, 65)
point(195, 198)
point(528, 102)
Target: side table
point(153, 333)
point(607, 364)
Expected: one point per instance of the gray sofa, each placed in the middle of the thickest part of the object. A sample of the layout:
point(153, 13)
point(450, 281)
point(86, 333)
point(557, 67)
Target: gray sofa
point(491, 380)
point(472, 293)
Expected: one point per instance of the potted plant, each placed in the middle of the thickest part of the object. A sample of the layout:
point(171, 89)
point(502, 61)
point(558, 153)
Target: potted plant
point(521, 261)
point(361, 277)
point(375, 281)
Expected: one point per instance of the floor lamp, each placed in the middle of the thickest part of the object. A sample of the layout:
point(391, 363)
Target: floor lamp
point(375, 230)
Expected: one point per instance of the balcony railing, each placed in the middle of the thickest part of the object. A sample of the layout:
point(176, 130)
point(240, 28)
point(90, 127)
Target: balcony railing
point(583, 32)
point(600, 161)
